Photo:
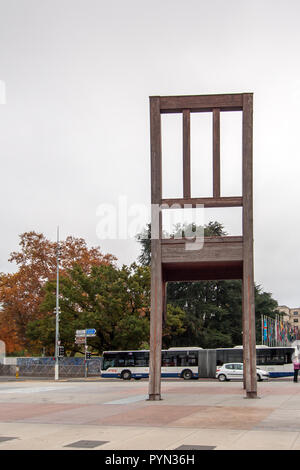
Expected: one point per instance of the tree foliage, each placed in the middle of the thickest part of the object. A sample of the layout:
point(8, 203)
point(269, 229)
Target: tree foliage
point(116, 302)
point(111, 300)
point(21, 293)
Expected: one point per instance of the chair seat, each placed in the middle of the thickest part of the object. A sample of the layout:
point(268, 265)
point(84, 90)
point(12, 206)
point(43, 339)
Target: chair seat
point(219, 258)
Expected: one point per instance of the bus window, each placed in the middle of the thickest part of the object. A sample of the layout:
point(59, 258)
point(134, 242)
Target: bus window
point(109, 360)
point(179, 358)
point(220, 357)
point(229, 355)
point(141, 359)
point(169, 359)
point(192, 359)
point(288, 357)
point(182, 359)
point(262, 357)
point(281, 356)
point(235, 356)
point(125, 359)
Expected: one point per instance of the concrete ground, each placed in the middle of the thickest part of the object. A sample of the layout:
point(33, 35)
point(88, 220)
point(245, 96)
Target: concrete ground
point(113, 415)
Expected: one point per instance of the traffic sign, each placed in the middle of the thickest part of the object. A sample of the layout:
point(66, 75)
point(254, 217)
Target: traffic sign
point(80, 332)
point(87, 332)
point(90, 331)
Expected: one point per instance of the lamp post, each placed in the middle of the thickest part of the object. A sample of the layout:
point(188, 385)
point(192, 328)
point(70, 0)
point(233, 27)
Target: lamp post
point(57, 310)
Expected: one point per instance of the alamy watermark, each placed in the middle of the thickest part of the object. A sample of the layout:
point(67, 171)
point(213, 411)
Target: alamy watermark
point(123, 221)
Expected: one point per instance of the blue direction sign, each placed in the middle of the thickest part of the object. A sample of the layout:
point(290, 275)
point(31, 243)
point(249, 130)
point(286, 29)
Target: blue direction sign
point(90, 331)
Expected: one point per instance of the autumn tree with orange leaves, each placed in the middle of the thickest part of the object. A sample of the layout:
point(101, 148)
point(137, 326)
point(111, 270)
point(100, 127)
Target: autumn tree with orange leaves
point(21, 293)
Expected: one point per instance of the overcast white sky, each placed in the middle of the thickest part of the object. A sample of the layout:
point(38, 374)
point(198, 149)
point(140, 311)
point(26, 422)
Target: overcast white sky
point(74, 132)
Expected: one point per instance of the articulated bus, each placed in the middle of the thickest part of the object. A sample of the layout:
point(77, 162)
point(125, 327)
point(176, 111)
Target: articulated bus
point(183, 362)
point(175, 362)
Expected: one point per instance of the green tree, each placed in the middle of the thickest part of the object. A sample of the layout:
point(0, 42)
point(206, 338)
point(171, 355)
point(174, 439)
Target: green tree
point(113, 301)
point(213, 309)
point(144, 238)
point(175, 325)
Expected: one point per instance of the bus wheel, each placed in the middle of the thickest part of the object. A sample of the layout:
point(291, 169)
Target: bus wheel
point(187, 374)
point(126, 375)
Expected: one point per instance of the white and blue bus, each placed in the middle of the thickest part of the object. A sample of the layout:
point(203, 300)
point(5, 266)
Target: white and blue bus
point(278, 361)
point(175, 362)
point(183, 362)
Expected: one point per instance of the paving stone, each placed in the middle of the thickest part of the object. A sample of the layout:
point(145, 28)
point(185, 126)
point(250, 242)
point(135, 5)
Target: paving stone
point(86, 444)
point(6, 438)
point(193, 447)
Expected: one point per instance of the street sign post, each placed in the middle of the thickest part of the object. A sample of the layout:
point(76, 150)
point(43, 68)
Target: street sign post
point(80, 338)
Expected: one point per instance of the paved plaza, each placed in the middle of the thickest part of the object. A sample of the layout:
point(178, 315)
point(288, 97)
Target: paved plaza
point(115, 415)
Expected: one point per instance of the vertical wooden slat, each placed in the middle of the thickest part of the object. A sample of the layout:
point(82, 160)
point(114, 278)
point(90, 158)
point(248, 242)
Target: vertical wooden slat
point(155, 321)
point(156, 266)
point(249, 341)
point(156, 159)
point(216, 152)
point(164, 291)
point(186, 154)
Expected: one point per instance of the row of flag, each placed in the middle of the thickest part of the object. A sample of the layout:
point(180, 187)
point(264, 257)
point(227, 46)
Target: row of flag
point(276, 332)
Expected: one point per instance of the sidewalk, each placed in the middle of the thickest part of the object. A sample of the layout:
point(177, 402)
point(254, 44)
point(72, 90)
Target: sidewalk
point(115, 415)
